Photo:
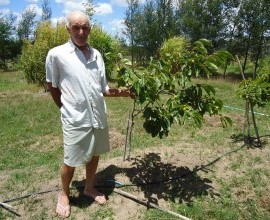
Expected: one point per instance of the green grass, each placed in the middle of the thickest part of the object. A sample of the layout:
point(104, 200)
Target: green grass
point(31, 154)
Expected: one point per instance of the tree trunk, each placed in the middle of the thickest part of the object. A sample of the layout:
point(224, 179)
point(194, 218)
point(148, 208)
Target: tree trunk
point(246, 54)
point(259, 51)
point(255, 126)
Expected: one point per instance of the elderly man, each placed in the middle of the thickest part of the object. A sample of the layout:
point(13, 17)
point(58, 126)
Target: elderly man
point(75, 75)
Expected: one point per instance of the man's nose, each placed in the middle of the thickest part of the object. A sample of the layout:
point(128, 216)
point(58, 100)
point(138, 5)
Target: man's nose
point(81, 31)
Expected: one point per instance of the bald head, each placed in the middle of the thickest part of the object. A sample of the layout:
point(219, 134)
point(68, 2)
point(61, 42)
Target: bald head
point(78, 26)
point(76, 15)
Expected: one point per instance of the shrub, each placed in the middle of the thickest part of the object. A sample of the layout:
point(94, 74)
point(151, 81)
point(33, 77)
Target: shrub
point(173, 50)
point(264, 70)
point(32, 60)
point(107, 46)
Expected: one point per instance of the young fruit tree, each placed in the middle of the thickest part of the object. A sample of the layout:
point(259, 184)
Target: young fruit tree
point(164, 93)
point(255, 92)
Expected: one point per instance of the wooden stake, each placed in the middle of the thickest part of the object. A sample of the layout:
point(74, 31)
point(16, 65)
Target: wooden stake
point(146, 203)
point(9, 208)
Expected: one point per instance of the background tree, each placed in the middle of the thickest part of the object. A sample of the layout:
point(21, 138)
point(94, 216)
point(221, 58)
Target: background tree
point(27, 24)
point(202, 19)
point(46, 10)
point(147, 30)
point(108, 46)
point(130, 14)
point(89, 8)
point(253, 27)
point(151, 23)
point(32, 61)
point(9, 45)
point(231, 20)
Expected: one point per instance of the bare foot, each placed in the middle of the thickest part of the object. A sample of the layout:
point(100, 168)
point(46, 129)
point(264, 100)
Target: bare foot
point(96, 195)
point(63, 207)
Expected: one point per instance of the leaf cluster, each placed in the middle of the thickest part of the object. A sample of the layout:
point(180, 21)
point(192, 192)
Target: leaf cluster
point(107, 46)
point(257, 91)
point(33, 57)
point(164, 92)
point(9, 46)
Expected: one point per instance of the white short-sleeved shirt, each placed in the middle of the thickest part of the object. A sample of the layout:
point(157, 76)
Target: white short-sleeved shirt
point(82, 84)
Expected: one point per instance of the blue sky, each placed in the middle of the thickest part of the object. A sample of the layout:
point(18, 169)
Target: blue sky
point(109, 13)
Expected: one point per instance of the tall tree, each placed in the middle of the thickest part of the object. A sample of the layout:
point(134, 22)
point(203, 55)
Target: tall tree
point(253, 29)
point(9, 45)
point(202, 19)
point(167, 20)
point(26, 24)
point(89, 8)
point(133, 6)
point(230, 10)
point(148, 36)
point(152, 23)
point(46, 10)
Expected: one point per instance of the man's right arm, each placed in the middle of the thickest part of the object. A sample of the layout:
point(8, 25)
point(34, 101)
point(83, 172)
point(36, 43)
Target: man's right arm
point(56, 94)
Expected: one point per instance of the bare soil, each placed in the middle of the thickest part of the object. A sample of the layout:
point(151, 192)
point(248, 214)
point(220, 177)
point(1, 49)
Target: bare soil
point(160, 175)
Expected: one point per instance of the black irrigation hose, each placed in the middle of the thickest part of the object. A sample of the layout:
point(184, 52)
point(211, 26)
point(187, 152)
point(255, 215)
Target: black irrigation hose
point(140, 184)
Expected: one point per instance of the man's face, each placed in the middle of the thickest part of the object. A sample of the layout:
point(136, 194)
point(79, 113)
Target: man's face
point(79, 30)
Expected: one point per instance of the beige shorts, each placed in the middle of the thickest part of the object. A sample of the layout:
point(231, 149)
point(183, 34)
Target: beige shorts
point(81, 143)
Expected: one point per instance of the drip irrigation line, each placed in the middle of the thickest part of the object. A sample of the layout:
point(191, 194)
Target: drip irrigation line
point(31, 194)
point(116, 184)
point(239, 109)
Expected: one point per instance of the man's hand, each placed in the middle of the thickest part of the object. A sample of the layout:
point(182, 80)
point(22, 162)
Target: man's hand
point(56, 94)
point(120, 93)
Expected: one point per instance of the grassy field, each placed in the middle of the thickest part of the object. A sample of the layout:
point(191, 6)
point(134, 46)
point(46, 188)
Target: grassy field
point(206, 173)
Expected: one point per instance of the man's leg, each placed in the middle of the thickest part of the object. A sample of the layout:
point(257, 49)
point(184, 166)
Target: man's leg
point(90, 190)
point(91, 168)
point(63, 207)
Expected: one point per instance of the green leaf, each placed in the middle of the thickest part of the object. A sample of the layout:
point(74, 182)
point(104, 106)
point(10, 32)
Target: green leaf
point(226, 121)
point(206, 42)
point(208, 89)
point(213, 66)
point(197, 118)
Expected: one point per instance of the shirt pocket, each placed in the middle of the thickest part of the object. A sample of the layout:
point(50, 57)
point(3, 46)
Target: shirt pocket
point(95, 76)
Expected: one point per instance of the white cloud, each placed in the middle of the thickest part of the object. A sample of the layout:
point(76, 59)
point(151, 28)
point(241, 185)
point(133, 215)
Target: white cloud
point(71, 5)
point(122, 3)
point(59, 1)
point(56, 21)
point(117, 25)
point(37, 9)
point(4, 2)
point(103, 8)
point(78, 5)
point(175, 3)
point(8, 11)
point(32, 1)
point(4, 11)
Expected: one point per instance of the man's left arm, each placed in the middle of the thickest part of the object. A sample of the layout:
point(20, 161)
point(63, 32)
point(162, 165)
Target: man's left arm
point(118, 93)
